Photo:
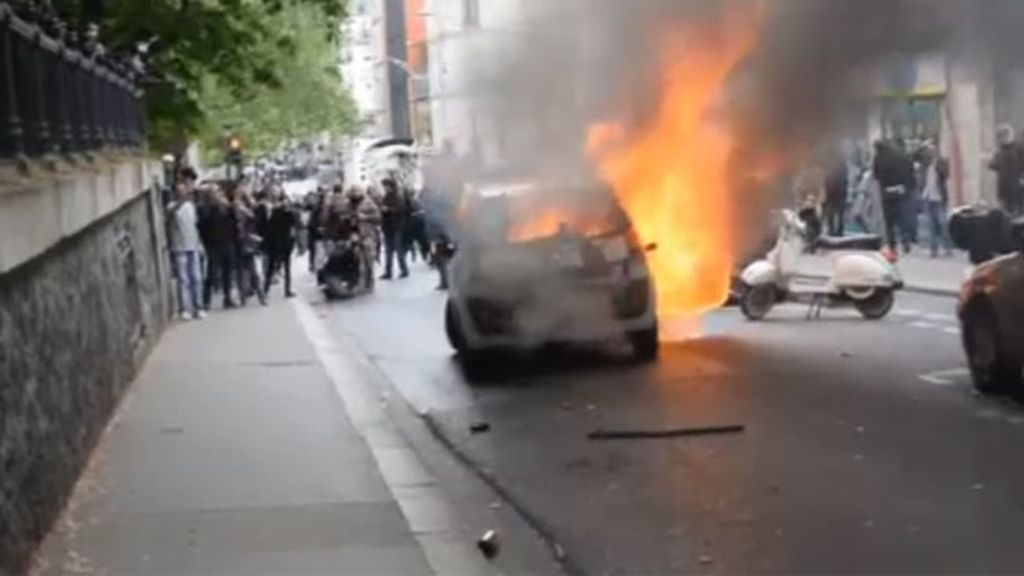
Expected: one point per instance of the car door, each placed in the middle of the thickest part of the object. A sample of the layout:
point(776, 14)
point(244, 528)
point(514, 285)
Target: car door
point(1008, 300)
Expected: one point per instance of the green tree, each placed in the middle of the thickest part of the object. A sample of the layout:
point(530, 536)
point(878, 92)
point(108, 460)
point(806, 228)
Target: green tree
point(307, 99)
point(238, 45)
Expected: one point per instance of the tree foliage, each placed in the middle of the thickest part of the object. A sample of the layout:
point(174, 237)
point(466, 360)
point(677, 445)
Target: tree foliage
point(216, 50)
point(307, 98)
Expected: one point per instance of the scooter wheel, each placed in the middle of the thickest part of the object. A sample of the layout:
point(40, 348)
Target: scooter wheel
point(876, 306)
point(757, 301)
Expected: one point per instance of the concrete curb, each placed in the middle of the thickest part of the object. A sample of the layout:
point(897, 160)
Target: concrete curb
point(430, 517)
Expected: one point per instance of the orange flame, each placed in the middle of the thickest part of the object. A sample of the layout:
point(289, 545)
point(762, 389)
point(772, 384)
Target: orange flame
point(672, 176)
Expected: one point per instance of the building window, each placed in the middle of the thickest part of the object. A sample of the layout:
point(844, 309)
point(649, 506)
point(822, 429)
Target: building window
point(471, 13)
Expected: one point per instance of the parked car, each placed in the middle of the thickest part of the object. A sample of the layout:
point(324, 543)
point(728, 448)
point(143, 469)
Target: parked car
point(548, 264)
point(991, 305)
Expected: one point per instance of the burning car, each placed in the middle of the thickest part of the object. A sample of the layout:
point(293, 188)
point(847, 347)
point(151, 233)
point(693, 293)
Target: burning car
point(548, 264)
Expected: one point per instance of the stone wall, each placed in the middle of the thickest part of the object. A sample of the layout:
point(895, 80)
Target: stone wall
point(76, 321)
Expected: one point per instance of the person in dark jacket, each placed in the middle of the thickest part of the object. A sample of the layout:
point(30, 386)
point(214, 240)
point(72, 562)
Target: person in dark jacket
point(889, 169)
point(1008, 164)
point(314, 225)
point(248, 243)
point(911, 205)
point(279, 242)
point(836, 191)
point(217, 226)
point(394, 220)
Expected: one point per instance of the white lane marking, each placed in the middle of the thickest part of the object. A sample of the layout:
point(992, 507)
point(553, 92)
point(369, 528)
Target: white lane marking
point(924, 325)
point(907, 312)
point(944, 377)
point(940, 317)
point(952, 330)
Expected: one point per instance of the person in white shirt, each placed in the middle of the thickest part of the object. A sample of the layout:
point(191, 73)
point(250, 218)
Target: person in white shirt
point(934, 178)
point(187, 250)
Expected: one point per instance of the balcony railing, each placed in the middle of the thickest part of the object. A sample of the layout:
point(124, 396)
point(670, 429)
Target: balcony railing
point(55, 100)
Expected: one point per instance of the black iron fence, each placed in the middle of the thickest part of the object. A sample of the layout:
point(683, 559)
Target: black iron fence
point(56, 100)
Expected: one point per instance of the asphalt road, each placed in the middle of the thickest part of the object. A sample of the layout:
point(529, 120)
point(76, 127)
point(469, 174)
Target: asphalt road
point(864, 449)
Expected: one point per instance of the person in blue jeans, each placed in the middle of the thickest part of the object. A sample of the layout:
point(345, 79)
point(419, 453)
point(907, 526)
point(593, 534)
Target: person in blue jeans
point(187, 250)
point(934, 180)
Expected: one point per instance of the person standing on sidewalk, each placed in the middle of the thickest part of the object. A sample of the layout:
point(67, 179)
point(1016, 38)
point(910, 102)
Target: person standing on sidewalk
point(314, 225)
point(1008, 164)
point(248, 242)
point(218, 225)
point(187, 249)
point(394, 220)
point(279, 243)
point(934, 180)
point(837, 184)
point(887, 170)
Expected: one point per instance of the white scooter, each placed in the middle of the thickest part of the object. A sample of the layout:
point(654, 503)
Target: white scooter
point(860, 276)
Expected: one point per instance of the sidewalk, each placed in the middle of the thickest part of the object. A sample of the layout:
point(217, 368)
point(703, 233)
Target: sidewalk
point(941, 276)
point(237, 451)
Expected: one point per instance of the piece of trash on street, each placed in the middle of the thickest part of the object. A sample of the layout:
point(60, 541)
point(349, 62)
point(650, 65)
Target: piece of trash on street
point(666, 433)
point(978, 486)
point(591, 407)
point(489, 544)
point(704, 559)
point(479, 427)
point(559, 552)
point(846, 354)
point(859, 429)
point(495, 505)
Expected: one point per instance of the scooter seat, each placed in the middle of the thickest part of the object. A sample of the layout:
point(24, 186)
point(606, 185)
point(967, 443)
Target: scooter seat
point(856, 242)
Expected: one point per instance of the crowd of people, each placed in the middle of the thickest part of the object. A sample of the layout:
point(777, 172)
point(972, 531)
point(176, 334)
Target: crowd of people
point(238, 239)
point(888, 189)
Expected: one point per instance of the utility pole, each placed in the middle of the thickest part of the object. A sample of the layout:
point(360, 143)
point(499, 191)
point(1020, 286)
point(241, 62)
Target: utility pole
point(398, 77)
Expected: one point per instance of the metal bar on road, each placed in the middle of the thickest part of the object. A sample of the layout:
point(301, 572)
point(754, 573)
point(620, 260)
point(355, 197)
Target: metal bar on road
point(668, 433)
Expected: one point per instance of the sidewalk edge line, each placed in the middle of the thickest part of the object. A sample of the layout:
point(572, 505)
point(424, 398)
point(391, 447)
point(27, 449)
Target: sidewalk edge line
point(317, 334)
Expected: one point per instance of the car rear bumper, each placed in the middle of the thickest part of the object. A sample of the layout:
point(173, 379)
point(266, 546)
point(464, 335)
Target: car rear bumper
point(574, 318)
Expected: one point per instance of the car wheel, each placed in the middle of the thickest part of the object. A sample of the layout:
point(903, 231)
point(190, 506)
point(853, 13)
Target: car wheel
point(453, 329)
point(877, 305)
point(990, 372)
point(645, 344)
point(757, 301)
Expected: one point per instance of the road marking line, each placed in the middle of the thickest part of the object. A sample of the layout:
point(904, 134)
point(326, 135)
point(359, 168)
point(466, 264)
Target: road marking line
point(941, 317)
point(907, 312)
point(924, 325)
point(952, 330)
point(944, 377)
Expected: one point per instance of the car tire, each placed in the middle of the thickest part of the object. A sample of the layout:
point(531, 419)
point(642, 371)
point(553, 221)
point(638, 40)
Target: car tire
point(645, 344)
point(990, 370)
point(453, 329)
point(757, 301)
point(877, 305)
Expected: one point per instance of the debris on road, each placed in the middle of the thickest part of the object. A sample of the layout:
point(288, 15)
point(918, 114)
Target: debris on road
point(489, 544)
point(559, 552)
point(479, 427)
point(704, 559)
point(496, 505)
point(667, 433)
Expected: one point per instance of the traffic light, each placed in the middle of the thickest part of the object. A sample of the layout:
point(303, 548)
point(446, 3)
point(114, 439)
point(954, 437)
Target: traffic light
point(234, 154)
